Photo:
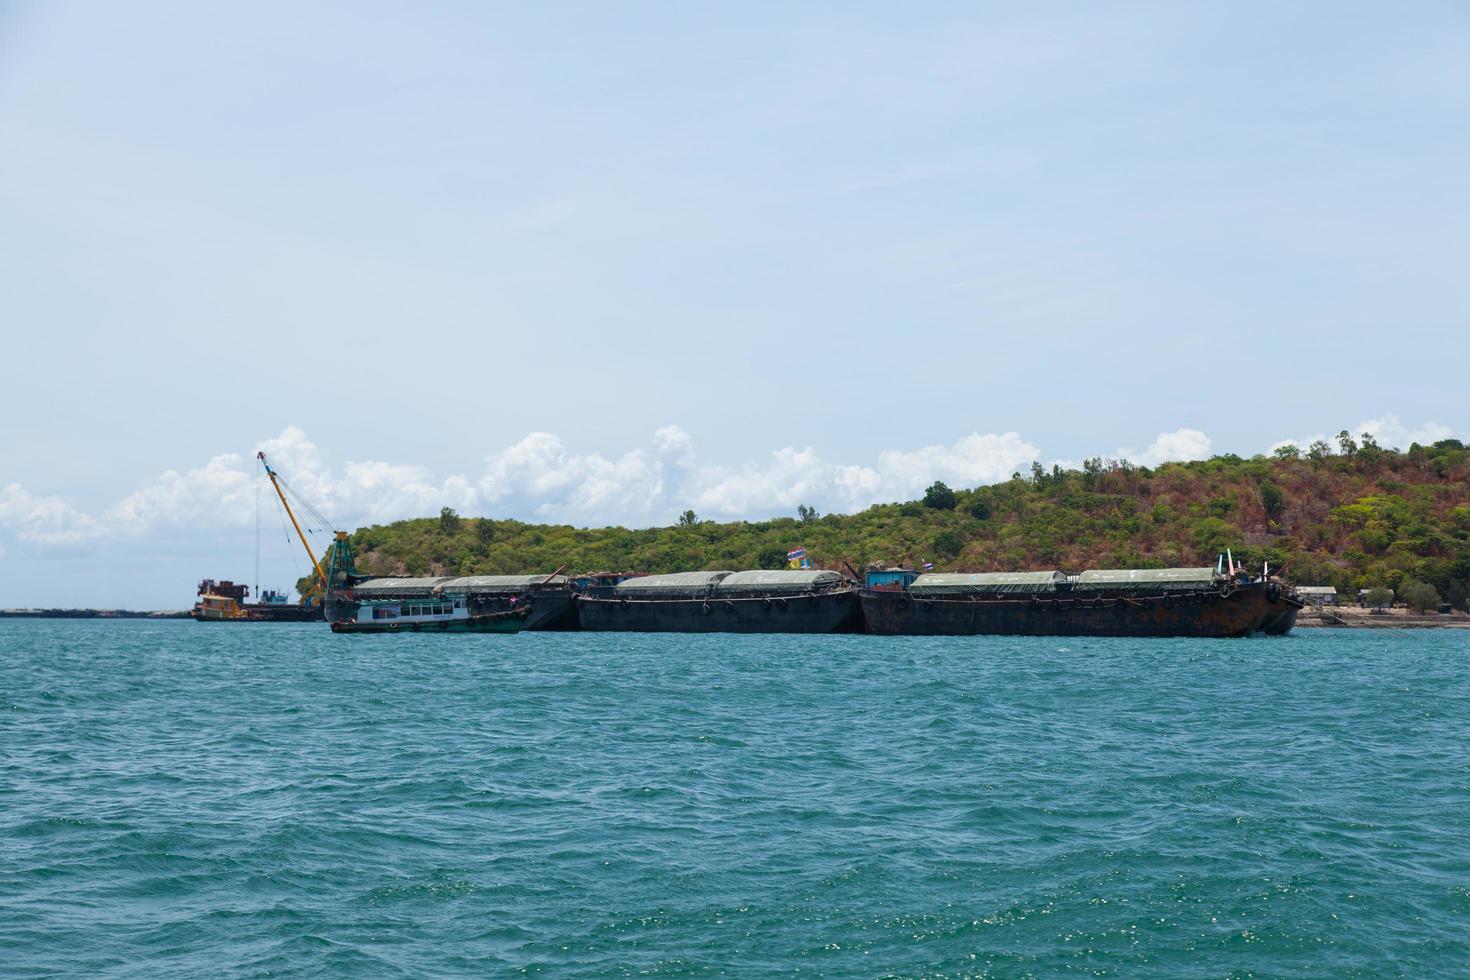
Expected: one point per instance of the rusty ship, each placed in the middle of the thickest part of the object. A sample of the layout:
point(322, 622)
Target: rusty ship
point(225, 602)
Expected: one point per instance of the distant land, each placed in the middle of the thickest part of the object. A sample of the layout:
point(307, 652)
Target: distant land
point(92, 614)
point(1350, 514)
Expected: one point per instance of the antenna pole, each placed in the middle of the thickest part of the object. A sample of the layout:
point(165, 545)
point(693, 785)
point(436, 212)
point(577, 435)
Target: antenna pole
point(257, 534)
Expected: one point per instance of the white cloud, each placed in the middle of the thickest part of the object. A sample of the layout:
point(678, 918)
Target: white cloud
point(1388, 431)
point(1391, 433)
point(218, 493)
point(541, 478)
point(789, 476)
point(47, 521)
point(537, 478)
point(1172, 447)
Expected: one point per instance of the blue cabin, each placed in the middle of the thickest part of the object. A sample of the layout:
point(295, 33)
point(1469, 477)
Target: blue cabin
point(890, 578)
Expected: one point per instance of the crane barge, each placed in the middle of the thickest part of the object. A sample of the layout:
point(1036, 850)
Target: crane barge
point(384, 608)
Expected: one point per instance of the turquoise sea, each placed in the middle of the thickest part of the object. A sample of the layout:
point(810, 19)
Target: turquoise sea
point(180, 799)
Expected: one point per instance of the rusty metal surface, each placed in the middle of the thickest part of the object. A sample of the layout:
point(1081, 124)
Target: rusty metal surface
point(1239, 612)
point(823, 612)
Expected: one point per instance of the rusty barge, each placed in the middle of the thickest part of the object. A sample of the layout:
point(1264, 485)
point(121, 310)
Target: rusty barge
point(785, 601)
point(1163, 602)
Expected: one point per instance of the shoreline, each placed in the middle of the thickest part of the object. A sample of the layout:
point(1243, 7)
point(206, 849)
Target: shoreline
point(93, 614)
point(1352, 617)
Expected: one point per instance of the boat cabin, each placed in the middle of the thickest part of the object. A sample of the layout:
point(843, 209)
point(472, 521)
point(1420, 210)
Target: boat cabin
point(412, 610)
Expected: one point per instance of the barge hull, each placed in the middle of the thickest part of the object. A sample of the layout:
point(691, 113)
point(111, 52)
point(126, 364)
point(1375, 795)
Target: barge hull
point(549, 609)
point(1241, 612)
point(829, 612)
point(494, 623)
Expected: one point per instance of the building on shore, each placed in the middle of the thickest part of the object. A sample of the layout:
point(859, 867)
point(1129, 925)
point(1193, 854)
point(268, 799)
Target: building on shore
point(1317, 595)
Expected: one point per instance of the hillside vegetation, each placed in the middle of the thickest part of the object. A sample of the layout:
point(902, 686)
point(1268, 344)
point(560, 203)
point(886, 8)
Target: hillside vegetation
point(1351, 515)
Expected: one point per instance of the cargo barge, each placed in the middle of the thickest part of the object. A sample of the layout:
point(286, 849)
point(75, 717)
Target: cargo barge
point(1163, 602)
point(787, 601)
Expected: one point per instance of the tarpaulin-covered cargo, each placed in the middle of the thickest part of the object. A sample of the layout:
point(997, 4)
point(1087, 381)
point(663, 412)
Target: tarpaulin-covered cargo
point(675, 583)
point(777, 581)
point(967, 583)
point(453, 585)
point(503, 583)
point(1146, 579)
point(405, 587)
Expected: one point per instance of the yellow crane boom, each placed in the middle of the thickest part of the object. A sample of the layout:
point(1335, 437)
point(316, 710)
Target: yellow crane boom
point(321, 575)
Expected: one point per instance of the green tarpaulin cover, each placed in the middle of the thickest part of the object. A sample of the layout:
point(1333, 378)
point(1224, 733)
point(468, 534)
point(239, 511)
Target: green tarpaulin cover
point(407, 587)
point(944, 583)
point(501, 583)
point(1118, 579)
point(447, 584)
point(791, 580)
point(675, 583)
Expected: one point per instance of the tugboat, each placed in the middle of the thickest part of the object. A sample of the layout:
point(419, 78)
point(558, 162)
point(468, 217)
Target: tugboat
point(1208, 602)
point(784, 601)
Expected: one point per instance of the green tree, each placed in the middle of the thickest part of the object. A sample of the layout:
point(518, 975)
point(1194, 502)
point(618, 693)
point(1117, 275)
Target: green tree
point(980, 507)
point(949, 543)
point(688, 519)
point(448, 522)
point(940, 497)
point(1378, 597)
point(1092, 468)
point(808, 515)
point(1419, 596)
point(1272, 499)
point(485, 531)
point(772, 558)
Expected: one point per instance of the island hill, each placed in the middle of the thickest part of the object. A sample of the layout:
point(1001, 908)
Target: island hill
point(1349, 514)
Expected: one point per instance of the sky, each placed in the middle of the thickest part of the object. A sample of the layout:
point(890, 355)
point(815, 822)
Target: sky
point(597, 264)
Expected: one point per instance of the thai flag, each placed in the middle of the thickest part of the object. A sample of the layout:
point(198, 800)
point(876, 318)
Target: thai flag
point(928, 565)
point(795, 553)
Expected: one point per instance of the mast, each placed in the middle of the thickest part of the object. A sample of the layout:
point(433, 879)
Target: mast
point(321, 576)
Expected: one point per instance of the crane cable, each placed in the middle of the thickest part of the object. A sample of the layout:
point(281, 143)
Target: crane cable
point(290, 544)
point(306, 506)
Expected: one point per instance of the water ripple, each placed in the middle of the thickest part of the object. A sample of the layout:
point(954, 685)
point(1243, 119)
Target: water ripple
point(178, 800)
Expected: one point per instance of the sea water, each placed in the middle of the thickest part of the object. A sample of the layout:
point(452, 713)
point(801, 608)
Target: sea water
point(181, 799)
